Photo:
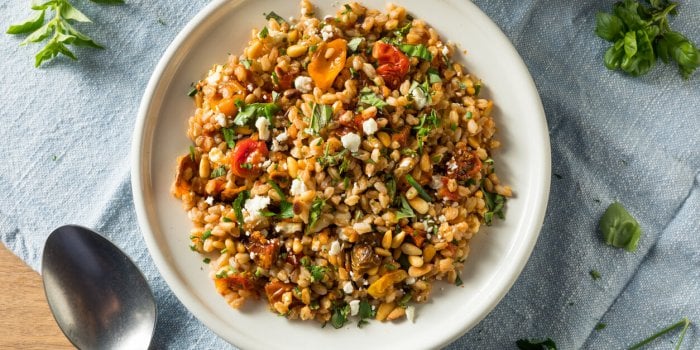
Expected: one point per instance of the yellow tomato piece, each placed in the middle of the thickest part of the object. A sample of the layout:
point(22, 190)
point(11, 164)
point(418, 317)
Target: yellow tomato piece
point(379, 288)
point(227, 105)
point(327, 62)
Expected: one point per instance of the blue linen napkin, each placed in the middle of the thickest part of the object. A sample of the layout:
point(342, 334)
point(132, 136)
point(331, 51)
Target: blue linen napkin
point(66, 142)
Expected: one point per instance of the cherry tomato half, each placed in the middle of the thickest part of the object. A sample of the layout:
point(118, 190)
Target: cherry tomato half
point(392, 63)
point(247, 157)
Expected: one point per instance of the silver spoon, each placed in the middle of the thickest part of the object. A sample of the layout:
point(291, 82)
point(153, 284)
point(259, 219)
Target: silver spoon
point(98, 297)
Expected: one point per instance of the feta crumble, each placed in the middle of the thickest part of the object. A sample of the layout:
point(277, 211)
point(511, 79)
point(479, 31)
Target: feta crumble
point(254, 205)
point(351, 141)
point(335, 248)
point(298, 187)
point(210, 200)
point(369, 126)
point(263, 126)
point(303, 84)
point(282, 136)
point(411, 313)
point(221, 119)
point(354, 307)
point(348, 288)
point(419, 97)
point(327, 32)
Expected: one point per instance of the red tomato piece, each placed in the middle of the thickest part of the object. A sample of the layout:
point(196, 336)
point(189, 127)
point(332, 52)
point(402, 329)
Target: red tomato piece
point(247, 157)
point(392, 63)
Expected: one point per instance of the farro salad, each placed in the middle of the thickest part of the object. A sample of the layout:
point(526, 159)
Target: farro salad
point(339, 166)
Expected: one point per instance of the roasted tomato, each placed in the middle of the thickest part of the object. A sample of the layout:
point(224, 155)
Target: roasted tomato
point(264, 251)
point(418, 236)
point(464, 164)
point(247, 157)
point(327, 62)
point(392, 64)
point(234, 282)
point(275, 289)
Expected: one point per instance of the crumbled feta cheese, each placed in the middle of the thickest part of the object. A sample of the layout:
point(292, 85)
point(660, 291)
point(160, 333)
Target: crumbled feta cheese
point(298, 187)
point(276, 147)
point(354, 307)
point(282, 136)
point(221, 119)
point(419, 97)
point(452, 166)
point(254, 205)
point(348, 288)
point(263, 126)
point(277, 36)
point(362, 227)
point(351, 141)
point(303, 84)
point(215, 155)
point(411, 313)
point(442, 218)
point(214, 78)
point(210, 200)
point(369, 126)
point(436, 182)
point(445, 50)
point(266, 164)
point(335, 248)
point(327, 32)
point(410, 280)
point(250, 87)
point(288, 227)
point(252, 255)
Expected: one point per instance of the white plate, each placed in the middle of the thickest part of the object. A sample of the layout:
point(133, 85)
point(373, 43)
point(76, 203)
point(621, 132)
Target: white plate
point(498, 253)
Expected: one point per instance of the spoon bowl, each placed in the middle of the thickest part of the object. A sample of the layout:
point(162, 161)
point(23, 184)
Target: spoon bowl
point(97, 295)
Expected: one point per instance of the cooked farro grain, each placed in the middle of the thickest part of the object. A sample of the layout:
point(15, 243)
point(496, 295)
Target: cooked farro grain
point(339, 166)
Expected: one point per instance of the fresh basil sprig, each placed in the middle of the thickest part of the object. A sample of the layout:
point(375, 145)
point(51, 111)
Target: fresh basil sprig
point(59, 28)
point(640, 34)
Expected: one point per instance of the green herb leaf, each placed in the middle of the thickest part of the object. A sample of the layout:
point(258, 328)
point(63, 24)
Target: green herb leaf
point(340, 315)
point(246, 63)
point(192, 153)
point(419, 51)
point(495, 203)
point(193, 91)
point(229, 137)
point(608, 26)
point(684, 322)
point(328, 159)
point(365, 312)
point(458, 281)
point(108, 2)
point(206, 260)
point(406, 211)
point(421, 191)
point(317, 273)
point(220, 171)
point(315, 212)
point(275, 16)
point(354, 43)
point(321, 115)
point(600, 326)
point(225, 219)
point(248, 114)
point(530, 344)
point(238, 204)
point(428, 123)
point(263, 33)
point(619, 228)
point(434, 76)
point(28, 25)
point(368, 97)
point(595, 274)
point(206, 235)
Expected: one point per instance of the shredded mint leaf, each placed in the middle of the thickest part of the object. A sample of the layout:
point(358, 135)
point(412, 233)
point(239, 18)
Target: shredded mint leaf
point(340, 315)
point(275, 16)
point(247, 114)
point(321, 115)
point(368, 97)
point(220, 171)
point(238, 204)
point(263, 33)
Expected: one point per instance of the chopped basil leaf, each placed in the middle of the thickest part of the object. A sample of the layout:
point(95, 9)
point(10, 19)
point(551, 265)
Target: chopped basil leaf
point(277, 17)
point(206, 235)
point(225, 219)
point(458, 280)
point(477, 89)
point(419, 51)
point(595, 274)
point(529, 344)
point(247, 114)
point(619, 228)
point(193, 91)
point(403, 302)
point(321, 115)
point(286, 208)
point(368, 97)
point(353, 72)
point(365, 312)
point(434, 76)
point(263, 33)
point(428, 123)
point(354, 43)
point(315, 212)
point(275, 96)
point(313, 48)
point(401, 32)
point(421, 191)
point(406, 211)
point(192, 154)
point(206, 260)
point(390, 267)
point(246, 63)
point(238, 204)
point(331, 159)
point(495, 204)
point(275, 79)
point(229, 137)
point(220, 171)
point(468, 115)
point(340, 315)
point(317, 272)
point(600, 326)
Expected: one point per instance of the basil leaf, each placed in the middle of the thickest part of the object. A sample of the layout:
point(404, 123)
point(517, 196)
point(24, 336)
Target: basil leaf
point(40, 34)
point(229, 137)
point(321, 115)
point(619, 228)
point(354, 44)
point(614, 55)
point(368, 97)
point(419, 51)
point(315, 212)
point(434, 76)
point(218, 172)
point(406, 211)
point(630, 44)
point(238, 204)
point(69, 12)
point(27, 26)
point(340, 315)
point(263, 33)
point(608, 26)
point(247, 114)
point(277, 17)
